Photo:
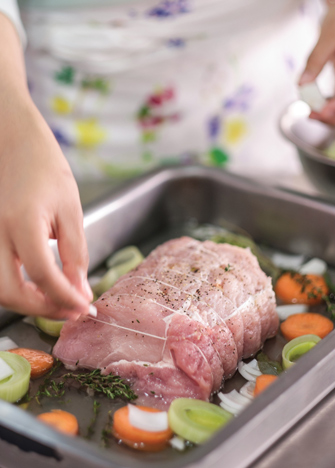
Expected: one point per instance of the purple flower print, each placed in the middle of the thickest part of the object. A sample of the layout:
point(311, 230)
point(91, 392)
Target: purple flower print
point(289, 62)
point(60, 137)
point(167, 8)
point(240, 101)
point(176, 42)
point(214, 124)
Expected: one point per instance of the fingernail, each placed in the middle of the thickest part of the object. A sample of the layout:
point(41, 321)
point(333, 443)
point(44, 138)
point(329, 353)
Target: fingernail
point(306, 77)
point(92, 311)
point(87, 289)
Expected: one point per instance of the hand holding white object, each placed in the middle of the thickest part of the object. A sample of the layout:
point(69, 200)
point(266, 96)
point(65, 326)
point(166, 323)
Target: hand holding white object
point(39, 201)
point(323, 52)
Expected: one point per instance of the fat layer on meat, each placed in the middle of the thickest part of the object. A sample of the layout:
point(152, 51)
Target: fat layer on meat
point(178, 324)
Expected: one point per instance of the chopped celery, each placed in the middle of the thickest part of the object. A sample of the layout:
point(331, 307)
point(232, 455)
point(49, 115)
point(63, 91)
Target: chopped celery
point(14, 387)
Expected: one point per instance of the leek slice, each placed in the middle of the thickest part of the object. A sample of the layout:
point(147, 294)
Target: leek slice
point(5, 370)
point(16, 385)
point(297, 347)
point(120, 263)
point(196, 420)
point(48, 326)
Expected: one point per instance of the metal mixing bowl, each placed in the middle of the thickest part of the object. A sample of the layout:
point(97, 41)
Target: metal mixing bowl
point(311, 138)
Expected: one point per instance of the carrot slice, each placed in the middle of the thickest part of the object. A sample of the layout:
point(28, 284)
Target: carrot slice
point(262, 382)
point(301, 289)
point(39, 361)
point(306, 324)
point(61, 421)
point(138, 438)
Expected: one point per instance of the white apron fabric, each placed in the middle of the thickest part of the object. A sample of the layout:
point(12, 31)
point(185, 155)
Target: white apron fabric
point(134, 85)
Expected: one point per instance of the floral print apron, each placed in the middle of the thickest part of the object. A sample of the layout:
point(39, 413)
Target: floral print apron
point(138, 84)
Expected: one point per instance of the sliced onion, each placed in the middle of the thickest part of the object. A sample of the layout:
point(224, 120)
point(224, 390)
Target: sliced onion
point(6, 343)
point(248, 390)
point(284, 311)
point(177, 443)
point(298, 347)
point(249, 371)
point(232, 410)
point(15, 386)
point(5, 370)
point(151, 422)
point(315, 266)
point(288, 262)
point(233, 401)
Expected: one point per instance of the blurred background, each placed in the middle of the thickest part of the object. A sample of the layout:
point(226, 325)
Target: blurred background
point(127, 86)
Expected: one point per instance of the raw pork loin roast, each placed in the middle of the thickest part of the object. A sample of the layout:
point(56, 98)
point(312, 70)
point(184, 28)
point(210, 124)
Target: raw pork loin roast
point(179, 323)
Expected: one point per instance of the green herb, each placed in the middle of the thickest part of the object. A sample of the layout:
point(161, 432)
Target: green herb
point(49, 387)
point(266, 366)
point(107, 431)
point(329, 282)
point(90, 429)
point(228, 267)
point(110, 385)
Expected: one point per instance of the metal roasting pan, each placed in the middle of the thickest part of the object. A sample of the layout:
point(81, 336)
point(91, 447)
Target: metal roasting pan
point(149, 207)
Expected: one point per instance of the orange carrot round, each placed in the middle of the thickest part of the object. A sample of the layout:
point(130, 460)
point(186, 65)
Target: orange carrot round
point(138, 438)
point(39, 361)
point(301, 289)
point(262, 382)
point(306, 324)
point(61, 421)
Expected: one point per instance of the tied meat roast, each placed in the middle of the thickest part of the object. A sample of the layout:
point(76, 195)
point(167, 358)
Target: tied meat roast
point(179, 323)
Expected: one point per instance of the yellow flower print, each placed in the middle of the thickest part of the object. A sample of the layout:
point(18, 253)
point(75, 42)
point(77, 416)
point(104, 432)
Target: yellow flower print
point(61, 105)
point(90, 133)
point(234, 130)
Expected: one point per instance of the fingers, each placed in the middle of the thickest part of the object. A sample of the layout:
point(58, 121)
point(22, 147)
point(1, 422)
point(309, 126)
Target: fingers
point(33, 250)
point(316, 61)
point(72, 249)
point(322, 52)
point(327, 114)
point(15, 293)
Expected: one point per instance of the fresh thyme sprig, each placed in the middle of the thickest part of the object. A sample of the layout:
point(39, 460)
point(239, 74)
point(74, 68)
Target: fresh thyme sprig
point(106, 431)
point(90, 429)
point(110, 385)
point(50, 387)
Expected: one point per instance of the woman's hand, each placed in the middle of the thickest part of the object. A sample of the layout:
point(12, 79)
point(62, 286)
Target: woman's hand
point(323, 52)
point(39, 201)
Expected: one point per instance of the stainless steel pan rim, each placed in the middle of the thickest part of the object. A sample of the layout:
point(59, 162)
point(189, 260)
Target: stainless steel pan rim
point(296, 111)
